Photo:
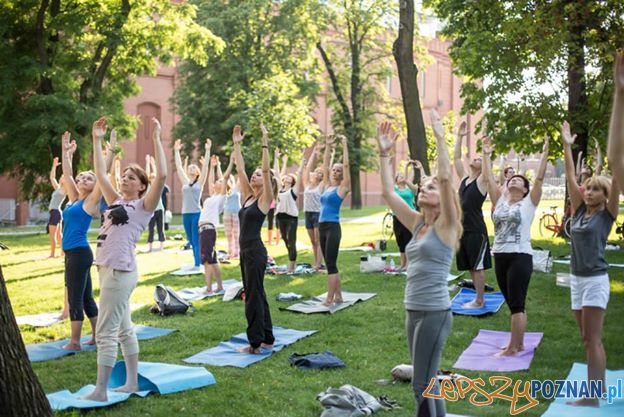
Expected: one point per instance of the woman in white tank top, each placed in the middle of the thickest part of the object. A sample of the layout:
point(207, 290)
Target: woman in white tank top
point(309, 185)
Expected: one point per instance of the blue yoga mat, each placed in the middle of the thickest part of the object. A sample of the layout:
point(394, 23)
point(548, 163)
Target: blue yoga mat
point(226, 354)
point(559, 408)
point(162, 378)
point(493, 303)
point(41, 352)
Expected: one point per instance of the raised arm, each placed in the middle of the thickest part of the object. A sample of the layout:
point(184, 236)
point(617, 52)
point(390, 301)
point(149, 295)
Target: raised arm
point(243, 180)
point(155, 191)
point(536, 191)
point(457, 157)
point(597, 160)
point(267, 188)
point(301, 173)
point(101, 170)
point(203, 176)
point(68, 149)
point(409, 179)
point(211, 175)
point(616, 126)
point(276, 165)
point(228, 170)
point(579, 166)
point(53, 181)
point(448, 221)
point(487, 174)
point(567, 139)
point(345, 186)
point(180, 169)
point(329, 143)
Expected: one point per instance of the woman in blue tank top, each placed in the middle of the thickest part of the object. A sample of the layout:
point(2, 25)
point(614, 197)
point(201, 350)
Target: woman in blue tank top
point(84, 198)
point(193, 181)
point(334, 188)
point(436, 231)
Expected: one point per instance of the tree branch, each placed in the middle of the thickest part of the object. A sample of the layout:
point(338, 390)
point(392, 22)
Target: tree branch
point(335, 86)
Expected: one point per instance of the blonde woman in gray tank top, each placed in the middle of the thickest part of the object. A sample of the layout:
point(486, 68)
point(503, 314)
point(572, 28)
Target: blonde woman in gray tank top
point(436, 231)
point(309, 185)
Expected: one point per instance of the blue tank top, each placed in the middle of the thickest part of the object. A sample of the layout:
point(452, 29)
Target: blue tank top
point(76, 222)
point(330, 206)
point(232, 203)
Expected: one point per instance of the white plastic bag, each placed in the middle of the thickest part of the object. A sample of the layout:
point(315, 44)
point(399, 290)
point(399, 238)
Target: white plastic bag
point(542, 260)
point(372, 263)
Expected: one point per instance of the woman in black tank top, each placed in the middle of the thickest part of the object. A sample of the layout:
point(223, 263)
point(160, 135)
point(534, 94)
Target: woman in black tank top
point(257, 194)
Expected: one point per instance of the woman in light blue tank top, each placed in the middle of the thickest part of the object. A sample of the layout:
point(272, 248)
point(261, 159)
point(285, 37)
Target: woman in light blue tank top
point(436, 231)
point(193, 181)
point(334, 188)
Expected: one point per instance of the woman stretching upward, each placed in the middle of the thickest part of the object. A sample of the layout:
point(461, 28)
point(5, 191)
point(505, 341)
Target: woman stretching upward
point(334, 188)
point(287, 212)
point(309, 186)
point(512, 250)
point(193, 180)
point(257, 193)
point(127, 216)
point(436, 230)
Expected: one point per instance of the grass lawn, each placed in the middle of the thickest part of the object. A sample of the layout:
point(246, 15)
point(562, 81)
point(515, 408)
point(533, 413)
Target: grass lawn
point(369, 337)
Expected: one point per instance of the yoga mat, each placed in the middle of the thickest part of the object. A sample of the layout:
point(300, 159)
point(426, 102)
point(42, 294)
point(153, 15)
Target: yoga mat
point(39, 320)
point(567, 262)
point(357, 249)
point(559, 408)
point(197, 293)
point(41, 352)
point(452, 277)
point(493, 303)
point(162, 378)
point(186, 270)
point(226, 354)
point(315, 305)
point(480, 355)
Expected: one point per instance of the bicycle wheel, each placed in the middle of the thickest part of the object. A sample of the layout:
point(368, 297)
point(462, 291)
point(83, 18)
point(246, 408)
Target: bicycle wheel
point(549, 225)
point(387, 230)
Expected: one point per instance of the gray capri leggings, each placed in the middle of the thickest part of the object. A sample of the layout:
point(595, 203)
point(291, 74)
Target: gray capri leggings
point(426, 334)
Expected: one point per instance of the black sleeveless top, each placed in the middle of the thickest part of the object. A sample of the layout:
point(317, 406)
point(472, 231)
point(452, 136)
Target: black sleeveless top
point(472, 207)
point(251, 219)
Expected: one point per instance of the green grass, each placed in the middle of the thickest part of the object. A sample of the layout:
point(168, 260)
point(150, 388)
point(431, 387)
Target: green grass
point(369, 337)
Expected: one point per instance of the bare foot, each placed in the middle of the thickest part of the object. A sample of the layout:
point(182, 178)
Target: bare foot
point(249, 349)
point(51, 257)
point(584, 402)
point(95, 396)
point(338, 301)
point(62, 316)
point(72, 346)
point(473, 304)
point(127, 388)
point(90, 342)
point(507, 352)
point(219, 289)
point(326, 303)
point(266, 346)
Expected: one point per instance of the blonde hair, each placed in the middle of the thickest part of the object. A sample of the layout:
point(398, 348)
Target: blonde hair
point(599, 181)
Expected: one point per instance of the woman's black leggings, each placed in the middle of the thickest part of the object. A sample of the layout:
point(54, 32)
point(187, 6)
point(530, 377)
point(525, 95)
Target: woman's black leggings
point(330, 234)
point(270, 217)
point(259, 325)
point(156, 220)
point(513, 273)
point(288, 229)
point(78, 282)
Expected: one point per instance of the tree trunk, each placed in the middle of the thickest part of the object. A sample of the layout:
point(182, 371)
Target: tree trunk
point(20, 391)
point(403, 51)
point(354, 170)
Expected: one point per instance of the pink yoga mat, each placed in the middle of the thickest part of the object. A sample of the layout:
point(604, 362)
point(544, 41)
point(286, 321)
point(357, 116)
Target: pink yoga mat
point(480, 355)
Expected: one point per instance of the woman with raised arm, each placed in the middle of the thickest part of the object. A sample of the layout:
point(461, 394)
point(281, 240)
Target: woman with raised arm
point(84, 198)
point(208, 223)
point(407, 190)
point(512, 250)
point(309, 185)
point(595, 210)
point(287, 213)
point(231, 208)
point(193, 180)
point(334, 188)
point(127, 216)
point(257, 193)
point(436, 230)
point(54, 208)
point(616, 128)
point(157, 218)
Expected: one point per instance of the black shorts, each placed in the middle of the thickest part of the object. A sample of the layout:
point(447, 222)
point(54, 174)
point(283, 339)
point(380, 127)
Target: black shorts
point(55, 217)
point(207, 242)
point(312, 219)
point(401, 233)
point(474, 252)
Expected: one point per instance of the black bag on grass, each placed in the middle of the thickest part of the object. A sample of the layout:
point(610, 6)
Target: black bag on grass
point(168, 302)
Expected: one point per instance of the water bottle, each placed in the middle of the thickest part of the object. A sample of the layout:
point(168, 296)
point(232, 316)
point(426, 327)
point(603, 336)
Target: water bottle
point(392, 264)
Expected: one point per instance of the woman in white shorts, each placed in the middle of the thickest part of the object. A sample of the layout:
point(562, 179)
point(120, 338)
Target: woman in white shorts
point(594, 213)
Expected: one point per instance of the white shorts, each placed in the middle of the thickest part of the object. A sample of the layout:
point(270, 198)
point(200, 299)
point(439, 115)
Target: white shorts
point(589, 291)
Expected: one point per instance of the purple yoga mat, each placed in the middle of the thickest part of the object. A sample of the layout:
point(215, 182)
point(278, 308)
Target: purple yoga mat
point(480, 355)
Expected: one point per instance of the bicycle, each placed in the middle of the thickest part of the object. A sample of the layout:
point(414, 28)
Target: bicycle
point(549, 222)
point(387, 228)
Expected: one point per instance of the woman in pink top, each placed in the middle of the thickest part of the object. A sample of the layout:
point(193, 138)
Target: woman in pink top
point(127, 216)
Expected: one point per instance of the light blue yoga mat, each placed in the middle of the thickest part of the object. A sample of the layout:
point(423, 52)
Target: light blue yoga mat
point(226, 353)
point(559, 408)
point(493, 303)
point(162, 378)
point(41, 352)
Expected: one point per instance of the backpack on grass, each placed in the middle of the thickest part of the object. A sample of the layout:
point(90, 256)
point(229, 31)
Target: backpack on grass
point(168, 302)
